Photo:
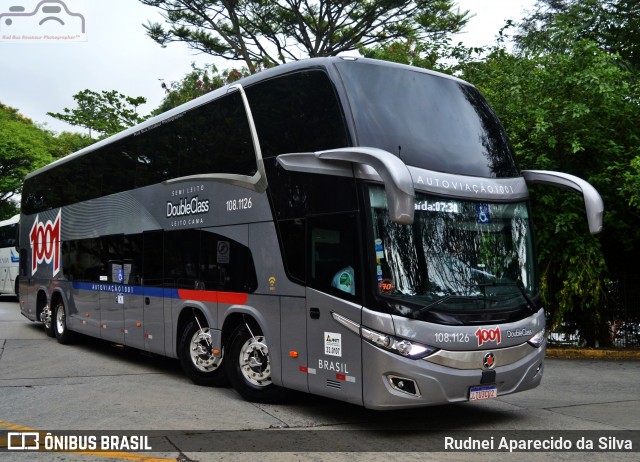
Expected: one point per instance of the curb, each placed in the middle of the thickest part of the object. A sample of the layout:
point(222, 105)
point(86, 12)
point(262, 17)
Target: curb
point(592, 353)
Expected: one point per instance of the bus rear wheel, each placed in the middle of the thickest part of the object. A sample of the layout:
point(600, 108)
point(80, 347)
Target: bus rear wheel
point(197, 358)
point(59, 322)
point(249, 367)
point(47, 320)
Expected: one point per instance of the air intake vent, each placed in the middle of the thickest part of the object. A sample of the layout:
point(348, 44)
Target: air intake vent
point(334, 384)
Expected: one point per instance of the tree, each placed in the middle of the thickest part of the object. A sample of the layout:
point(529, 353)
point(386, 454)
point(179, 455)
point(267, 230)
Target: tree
point(264, 33)
point(577, 112)
point(570, 101)
point(197, 83)
point(614, 25)
point(23, 148)
point(105, 113)
point(66, 143)
point(439, 55)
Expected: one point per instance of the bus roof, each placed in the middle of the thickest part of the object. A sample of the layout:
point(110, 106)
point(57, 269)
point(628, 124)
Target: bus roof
point(246, 81)
point(10, 221)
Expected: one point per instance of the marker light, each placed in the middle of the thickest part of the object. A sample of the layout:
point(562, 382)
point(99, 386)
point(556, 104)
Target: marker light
point(538, 339)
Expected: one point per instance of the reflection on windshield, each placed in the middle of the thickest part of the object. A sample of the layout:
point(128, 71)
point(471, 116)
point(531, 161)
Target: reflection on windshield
point(428, 120)
point(454, 250)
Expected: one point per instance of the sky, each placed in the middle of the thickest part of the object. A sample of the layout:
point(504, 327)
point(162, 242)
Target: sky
point(41, 68)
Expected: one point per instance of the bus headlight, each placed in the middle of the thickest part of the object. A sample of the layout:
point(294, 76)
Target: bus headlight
point(396, 345)
point(538, 339)
point(387, 342)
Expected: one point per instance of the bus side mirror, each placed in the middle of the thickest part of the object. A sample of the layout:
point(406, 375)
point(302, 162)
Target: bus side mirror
point(592, 200)
point(397, 179)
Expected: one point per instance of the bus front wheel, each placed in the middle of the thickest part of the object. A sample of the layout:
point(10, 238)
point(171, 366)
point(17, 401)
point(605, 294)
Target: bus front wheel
point(249, 367)
point(197, 358)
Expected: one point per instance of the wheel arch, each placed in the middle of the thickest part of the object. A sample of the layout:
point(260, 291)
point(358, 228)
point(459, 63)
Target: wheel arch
point(42, 300)
point(238, 316)
point(186, 314)
point(57, 297)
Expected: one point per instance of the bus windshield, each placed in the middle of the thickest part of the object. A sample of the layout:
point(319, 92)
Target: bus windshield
point(427, 120)
point(457, 256)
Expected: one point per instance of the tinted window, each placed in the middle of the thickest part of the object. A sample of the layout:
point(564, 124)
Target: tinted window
point(204, 260)
point(106, 259)
point(9, 235)
point(83, 260)
point(215, 138)
point(225, 264)
point(153, 267)
point(118, 168)
point(212, 138)
point(292, 234)
point(297, 113)
point(181, 250)
point(156, 154)
point(296, 194)
point(333, 258)
point(429, 121)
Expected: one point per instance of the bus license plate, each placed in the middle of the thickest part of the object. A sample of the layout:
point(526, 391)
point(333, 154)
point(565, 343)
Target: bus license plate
point(483, 392)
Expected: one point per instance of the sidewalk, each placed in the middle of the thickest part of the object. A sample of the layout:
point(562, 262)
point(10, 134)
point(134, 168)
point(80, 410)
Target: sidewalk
point(613, 354)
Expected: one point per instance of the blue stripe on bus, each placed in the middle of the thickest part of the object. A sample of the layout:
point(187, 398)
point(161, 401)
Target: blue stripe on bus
point(230, 298)
point(126, 289)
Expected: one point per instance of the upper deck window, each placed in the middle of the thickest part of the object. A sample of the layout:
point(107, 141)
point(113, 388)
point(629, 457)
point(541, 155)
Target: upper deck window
point(298, 112)
point(211, 138)
point(429, 121)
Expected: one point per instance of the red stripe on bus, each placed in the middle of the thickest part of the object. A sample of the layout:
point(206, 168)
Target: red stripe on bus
point(231, 298)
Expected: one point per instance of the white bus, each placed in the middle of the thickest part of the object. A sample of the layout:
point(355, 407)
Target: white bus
point(344, 227)
point(9, 255)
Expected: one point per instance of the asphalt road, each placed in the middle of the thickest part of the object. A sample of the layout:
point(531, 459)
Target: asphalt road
point(100, 389)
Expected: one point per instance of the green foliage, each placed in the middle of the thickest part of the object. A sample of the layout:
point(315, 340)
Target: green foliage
point(105, 113)
point(66, 143)
point(23, 148)
point(614, 25)
point(197, 83)
point(439, 55)
point(570, 101)
point(575, 112)
point(265, 33)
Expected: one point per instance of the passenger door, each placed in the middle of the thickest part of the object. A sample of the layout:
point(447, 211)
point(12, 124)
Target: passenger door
point(334, 353)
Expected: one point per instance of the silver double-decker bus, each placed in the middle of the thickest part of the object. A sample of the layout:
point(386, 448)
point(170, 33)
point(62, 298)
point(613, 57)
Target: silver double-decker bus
point(344, 227)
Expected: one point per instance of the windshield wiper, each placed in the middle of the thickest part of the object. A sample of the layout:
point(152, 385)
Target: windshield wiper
point(518, 284)
point(442, 299)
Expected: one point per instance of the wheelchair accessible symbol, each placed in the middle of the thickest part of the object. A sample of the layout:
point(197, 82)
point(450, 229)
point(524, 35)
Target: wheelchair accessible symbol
point(482, 213)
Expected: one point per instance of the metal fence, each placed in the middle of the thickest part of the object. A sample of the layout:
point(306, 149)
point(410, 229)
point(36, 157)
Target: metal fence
point(621, 315)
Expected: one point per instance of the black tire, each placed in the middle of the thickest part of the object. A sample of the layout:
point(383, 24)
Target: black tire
point(49, 327)
point(59, 322)
point(249, 368)
point(197, 359)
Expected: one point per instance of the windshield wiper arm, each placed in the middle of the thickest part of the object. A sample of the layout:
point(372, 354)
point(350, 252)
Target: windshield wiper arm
point(518, 284)
point(442, 299)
